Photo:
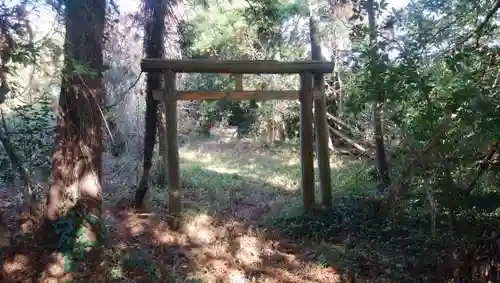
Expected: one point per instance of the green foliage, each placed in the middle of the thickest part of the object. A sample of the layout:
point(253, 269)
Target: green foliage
point(82, 68)
point(72, 241)
point(30, 83)
point(436, 74)
point(267, 17)
point(136, 258)
point(421, 88)
point(31, 132)
point(402, 248)
point(237, 30)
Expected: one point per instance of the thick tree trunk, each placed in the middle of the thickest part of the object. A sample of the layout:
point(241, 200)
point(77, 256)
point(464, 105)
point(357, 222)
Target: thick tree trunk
point(154, 47)
point(320, 111)
point(76, 170)
point(380, 157)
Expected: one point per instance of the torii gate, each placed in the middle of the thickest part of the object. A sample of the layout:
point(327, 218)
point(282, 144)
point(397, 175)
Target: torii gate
point(309, 91)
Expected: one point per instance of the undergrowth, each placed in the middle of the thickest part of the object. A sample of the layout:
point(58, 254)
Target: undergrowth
point(405, 247)
point(72, 241)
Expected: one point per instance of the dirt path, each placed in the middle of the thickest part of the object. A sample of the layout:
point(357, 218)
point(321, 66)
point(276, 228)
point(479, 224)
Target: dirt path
point(216, 250)
point(223, 238)
point(220, 248)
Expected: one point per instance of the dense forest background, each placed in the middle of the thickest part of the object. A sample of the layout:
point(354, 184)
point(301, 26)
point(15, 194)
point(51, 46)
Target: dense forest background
point(413, 115)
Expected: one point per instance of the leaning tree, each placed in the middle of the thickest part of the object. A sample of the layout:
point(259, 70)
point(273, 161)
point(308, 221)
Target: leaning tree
point(154, 45)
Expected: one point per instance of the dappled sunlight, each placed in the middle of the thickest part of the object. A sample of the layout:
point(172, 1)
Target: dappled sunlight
point(218, 249)
point(18, 267)
point(89, 182)
point(116, 272)
point(286, 182)
point(240, 252)
point(196, 156)
point(54, 271)
point(323, 274)
point(226, 197)
point(293, 162)
point(249, 251)
point(228, 191)
point(135, 226)
point(223, 170)
point(199, 229)
point(16, 264)
point(274, 168)
point(237, 276)
point(162, 235)
point(249, 167)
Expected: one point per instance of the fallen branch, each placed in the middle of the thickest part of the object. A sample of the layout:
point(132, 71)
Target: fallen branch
point(348, 140)
point(347, 126)
point(341, 122)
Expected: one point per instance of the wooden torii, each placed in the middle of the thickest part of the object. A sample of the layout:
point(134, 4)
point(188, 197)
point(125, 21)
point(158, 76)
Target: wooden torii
point(310, 91)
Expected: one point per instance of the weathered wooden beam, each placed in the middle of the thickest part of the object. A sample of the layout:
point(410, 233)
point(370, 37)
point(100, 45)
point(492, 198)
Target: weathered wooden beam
point(341, 123)
point(306, 141)
point(235, 95)
point(322, 138)
point(238, 78)
point(348, 140)
point(235, 66)
point(171, 158)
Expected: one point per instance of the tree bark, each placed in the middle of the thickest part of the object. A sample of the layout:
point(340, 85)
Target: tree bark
point(154, 46)
point(332, 108)
point(320, 121)
point(76, 169)
point(380, 157)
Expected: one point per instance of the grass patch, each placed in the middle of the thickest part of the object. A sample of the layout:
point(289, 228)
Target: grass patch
point(217, 174)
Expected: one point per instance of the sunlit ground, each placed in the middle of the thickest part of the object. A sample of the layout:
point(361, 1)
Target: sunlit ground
point(229, 191)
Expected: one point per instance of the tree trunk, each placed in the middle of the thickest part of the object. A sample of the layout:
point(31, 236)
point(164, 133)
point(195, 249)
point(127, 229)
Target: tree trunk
point(118, 143)
point(76, 169)
point(380, 157)
point(320, 122)
point(333, 108)
point(116, 137)
point(155, 11)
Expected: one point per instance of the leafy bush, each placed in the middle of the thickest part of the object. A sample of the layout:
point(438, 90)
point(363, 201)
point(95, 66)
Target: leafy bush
point(30, 128)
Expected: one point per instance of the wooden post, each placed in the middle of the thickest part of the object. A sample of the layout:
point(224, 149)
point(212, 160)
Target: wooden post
point(238, 84)
point(174, 178)
point(306, 140)
point(320, 122)
point(322, 153)
point(162, 132)
point(162, 145)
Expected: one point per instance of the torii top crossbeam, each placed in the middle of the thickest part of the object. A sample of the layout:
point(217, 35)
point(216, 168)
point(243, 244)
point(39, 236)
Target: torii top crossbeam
point(236, 66)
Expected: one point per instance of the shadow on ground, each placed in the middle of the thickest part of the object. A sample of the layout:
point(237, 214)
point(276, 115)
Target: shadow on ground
point(225, 236)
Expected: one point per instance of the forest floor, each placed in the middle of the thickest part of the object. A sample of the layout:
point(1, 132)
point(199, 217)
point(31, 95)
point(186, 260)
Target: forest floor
point(231, 193)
